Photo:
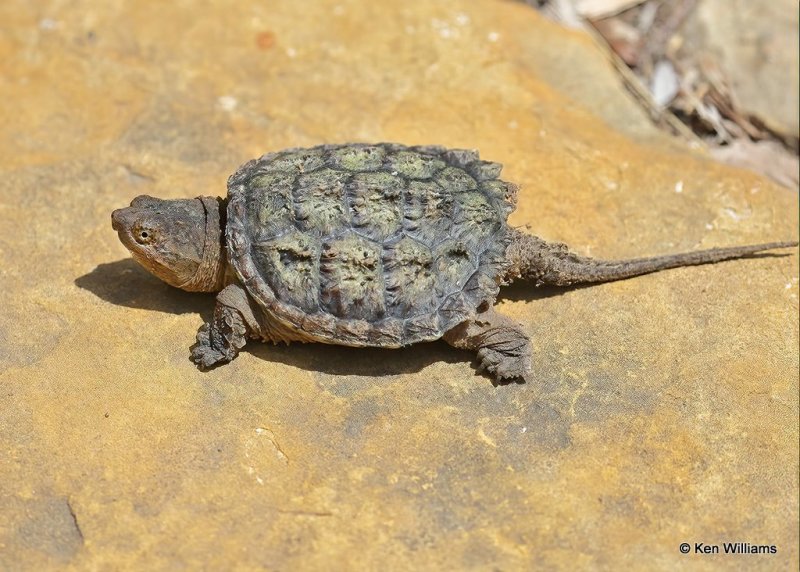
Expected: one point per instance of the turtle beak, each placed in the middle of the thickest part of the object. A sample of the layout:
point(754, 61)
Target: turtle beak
point(121, 219)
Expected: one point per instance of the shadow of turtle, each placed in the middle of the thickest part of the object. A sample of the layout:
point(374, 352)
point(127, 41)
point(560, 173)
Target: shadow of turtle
point(125, 283)
point(527, 292)
point(362, 362)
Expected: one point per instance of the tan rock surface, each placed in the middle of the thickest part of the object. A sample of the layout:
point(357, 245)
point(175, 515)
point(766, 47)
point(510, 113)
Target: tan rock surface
point(665, 408)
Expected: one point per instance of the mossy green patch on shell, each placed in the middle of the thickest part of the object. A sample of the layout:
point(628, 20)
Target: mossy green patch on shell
point(358, 157)
point(415, 165)
point(352, 278)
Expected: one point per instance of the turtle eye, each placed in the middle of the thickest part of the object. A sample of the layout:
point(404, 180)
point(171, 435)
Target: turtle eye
point(143, 235)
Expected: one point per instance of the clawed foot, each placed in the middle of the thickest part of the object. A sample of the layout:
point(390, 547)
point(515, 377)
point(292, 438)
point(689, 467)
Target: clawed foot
point(204, 354)
point(503, 367)
point(220, 340)
point(503, 348)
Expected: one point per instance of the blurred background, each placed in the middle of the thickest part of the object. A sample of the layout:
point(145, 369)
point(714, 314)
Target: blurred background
point(723, 73)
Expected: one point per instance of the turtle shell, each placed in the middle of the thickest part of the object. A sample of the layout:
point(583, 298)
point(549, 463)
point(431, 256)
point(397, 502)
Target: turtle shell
point(369, 245)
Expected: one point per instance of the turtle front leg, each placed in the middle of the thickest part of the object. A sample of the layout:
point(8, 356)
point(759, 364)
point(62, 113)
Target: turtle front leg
point(504, 350)
point(220, 340)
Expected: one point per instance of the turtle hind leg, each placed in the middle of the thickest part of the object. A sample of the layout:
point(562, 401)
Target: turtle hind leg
point(220, 340)
point(504, 350)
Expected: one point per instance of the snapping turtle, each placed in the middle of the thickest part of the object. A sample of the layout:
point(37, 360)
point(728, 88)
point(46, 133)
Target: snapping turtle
point(364, 245)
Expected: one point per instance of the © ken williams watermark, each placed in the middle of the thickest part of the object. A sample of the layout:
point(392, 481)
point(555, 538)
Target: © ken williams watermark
point(727, 548)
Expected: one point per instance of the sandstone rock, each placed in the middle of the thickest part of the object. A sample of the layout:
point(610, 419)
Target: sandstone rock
point(665, 409)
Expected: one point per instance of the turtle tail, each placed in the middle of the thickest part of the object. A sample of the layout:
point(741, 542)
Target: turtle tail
point(552, 264)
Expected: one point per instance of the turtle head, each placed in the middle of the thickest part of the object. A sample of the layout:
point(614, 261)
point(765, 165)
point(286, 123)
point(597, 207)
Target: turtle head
point(180, 240)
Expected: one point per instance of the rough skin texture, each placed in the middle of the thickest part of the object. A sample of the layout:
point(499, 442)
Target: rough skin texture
point(365, 245)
